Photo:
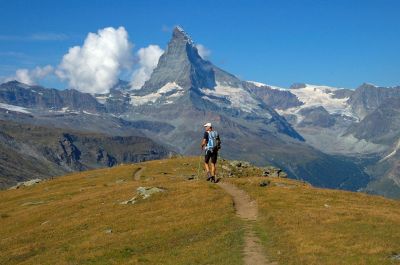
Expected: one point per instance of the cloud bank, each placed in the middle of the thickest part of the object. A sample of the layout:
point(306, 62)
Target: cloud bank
point(30, 77)
point(95, 66)
point(148, 60)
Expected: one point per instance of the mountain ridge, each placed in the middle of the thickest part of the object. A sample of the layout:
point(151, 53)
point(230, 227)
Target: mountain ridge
point(288, 128)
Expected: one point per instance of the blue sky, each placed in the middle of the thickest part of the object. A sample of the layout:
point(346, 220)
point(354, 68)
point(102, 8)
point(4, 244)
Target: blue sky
point(337, 43)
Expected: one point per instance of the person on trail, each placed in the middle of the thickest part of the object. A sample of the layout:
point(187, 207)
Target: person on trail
point(211, 143)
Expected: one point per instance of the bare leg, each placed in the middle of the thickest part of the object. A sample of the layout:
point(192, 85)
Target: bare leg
point(206, 167)
point(213, 169)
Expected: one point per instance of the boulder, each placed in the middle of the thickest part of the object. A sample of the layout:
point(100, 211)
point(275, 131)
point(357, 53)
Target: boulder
point(395, 257)
point(143, 193)
point(26, 184)
point(131, 201)
point(274, 172)
point(225, 167)
point(146, 192)
point(264, 183)
point(237, 163)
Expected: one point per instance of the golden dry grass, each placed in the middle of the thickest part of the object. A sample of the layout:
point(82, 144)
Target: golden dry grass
point(299, 224)
point(68, 218)
point(65, 220)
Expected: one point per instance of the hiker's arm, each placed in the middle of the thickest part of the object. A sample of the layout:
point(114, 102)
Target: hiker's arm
point(203, 143)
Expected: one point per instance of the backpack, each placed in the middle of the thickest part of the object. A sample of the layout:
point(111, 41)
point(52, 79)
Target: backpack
point(214, 143)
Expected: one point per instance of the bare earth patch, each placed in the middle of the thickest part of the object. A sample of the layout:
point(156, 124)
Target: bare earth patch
point(247, 210)
point(138, 173)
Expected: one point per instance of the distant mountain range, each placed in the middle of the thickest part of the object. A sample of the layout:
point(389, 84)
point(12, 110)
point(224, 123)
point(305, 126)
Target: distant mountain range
point(330, 137)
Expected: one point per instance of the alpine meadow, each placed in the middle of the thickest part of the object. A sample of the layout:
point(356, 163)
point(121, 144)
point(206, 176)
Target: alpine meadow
point(200, 132)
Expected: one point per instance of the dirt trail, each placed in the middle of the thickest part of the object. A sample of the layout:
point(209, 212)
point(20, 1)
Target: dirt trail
point(247, 210)
point(138, 173)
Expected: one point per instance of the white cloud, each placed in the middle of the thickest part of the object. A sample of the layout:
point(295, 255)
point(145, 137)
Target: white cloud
point(148, 60)
point(31, 77)
point(203, 51)
point(95, 66)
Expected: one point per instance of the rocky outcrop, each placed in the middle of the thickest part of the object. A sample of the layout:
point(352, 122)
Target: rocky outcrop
point(368, 97)
point(274, 172)
point(277, 99)
point(143, 193)
point(69, 154)
point(317, 116)
point(28, 151)
point(106, 159)
point(26, 184)
point(16, 93)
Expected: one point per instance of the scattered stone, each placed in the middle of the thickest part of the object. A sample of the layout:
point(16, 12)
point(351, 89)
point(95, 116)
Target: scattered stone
point(264, 183)
point(246, 164)
point(395, 256)
point(327, 205)
point(274, 172)
point(45, 222)
point(131, 201)
point(146, 192)
point(32, 203)
point(225, 167)
point(143, 193)
point(108, 231)
point(191, 177)
point(119, 181)
point(236, 163)
point(185, 164)
point(283, 175)
point(25, 184)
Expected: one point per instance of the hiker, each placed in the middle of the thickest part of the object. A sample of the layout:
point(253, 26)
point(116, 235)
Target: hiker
point(211, 143)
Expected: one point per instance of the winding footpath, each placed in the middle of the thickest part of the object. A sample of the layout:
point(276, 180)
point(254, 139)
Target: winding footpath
point(138, 173)
point(247, 210)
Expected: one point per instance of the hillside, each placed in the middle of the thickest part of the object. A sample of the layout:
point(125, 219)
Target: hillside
point(87, 218)
point(32, 151)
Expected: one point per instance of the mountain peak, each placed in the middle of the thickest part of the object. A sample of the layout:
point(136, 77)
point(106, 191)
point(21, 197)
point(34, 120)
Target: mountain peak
point(180, 64)
point(180, 34)
point(298, 86)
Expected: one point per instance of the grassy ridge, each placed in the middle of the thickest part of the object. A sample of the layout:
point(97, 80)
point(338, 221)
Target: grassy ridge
point(67, 223)
point(299, 224)
point(78, 219)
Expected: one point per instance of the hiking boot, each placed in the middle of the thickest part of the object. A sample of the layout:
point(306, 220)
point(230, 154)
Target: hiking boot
point(209, 176)
point(212, 179)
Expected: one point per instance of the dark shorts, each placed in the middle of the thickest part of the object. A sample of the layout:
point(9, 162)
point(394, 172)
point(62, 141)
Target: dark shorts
point(211, 155)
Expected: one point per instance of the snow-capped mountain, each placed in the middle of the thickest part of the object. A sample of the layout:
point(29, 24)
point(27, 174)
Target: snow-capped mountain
point(363, 123)
point(181, 72)
point(183, 80)
point(185, 91)
point(291, 128)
